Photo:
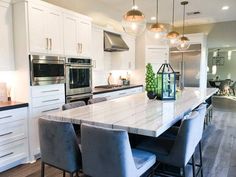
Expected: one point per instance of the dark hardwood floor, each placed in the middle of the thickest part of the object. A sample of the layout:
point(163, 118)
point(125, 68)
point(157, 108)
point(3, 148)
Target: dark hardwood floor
point(219, 151)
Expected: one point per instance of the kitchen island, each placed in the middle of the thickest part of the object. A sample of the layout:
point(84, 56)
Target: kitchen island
point(136, 113)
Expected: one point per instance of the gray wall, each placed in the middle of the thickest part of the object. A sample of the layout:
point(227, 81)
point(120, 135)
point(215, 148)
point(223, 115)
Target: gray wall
point(219, 34)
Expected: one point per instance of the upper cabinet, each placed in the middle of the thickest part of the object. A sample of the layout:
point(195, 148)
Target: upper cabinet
point(77, 36)
point(45, 29)
point(6, 37)
point(97, 48)
point(124, 60)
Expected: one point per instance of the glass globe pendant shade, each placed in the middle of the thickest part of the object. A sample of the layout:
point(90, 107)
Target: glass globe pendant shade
point(158, 29)
point(134, 22)
point(173, 38)
point(183, 43)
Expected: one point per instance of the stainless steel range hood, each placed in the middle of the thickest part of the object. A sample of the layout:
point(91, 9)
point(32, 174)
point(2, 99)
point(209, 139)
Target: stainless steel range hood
point(114, 42)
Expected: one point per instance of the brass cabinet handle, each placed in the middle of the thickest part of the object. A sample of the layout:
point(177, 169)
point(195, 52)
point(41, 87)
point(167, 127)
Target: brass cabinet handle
point(50, 91)
point(51, 100)
point(50, 40)
point(47, 40)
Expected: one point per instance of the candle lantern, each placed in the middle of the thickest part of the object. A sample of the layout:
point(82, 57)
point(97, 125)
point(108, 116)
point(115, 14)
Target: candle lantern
point(166, 83)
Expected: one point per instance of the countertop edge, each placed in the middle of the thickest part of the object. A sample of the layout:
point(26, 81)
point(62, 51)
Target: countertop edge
point(13, 106)
point(116, 89)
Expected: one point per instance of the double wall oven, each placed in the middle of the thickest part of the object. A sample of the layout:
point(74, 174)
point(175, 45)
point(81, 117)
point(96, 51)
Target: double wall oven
point(78, 79)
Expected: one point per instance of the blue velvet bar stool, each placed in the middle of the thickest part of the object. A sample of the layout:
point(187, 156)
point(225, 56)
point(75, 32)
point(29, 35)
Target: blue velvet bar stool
point(73, 105)
point(97, 100)
point(178, 151)
point(59, 147)
point(107, 153)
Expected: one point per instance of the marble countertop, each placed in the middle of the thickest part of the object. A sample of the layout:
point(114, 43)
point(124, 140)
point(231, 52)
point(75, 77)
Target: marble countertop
point(136, 113)
point(11, 105)
point(106, 90)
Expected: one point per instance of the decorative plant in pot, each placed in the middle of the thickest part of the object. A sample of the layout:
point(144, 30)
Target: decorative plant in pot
point(151, 85)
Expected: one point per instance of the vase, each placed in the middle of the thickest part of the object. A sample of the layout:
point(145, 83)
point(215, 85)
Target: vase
point(151, 95)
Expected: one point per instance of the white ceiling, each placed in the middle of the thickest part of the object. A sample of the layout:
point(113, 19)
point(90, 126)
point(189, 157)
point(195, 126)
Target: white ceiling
point(210, 10)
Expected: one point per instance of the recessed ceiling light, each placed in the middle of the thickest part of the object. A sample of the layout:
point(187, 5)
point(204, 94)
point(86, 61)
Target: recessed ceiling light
point(153, 18)
point(225, 8)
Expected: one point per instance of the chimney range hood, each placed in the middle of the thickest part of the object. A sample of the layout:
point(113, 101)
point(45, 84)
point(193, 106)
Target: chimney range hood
point(114, 42)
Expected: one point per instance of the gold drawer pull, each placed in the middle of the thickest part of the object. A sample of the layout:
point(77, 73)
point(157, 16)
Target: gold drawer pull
point(6, 155)
point(5, 117)
point(5, 134)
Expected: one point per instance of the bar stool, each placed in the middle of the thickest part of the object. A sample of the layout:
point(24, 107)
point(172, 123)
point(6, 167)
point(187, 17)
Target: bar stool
point(73, 105)
point(178, 151)
point(59, 147)
point(97, 100)
point(107, 153)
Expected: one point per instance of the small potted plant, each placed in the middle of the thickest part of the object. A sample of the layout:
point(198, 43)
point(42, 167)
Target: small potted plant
point(150, 82)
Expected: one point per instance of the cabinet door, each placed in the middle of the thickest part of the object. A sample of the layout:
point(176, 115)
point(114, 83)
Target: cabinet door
point(6, 44)
point(97, 48)
point(54, 31)
point(70, 35)
point(129, 56)
point(38, 40)
point(84, 37)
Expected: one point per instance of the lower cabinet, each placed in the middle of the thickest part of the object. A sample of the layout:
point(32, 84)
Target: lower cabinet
point(13, 138)
point(119, 93)
point(45, 99)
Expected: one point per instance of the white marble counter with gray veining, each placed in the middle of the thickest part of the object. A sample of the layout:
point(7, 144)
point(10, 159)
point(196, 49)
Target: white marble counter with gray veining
point(136, 113)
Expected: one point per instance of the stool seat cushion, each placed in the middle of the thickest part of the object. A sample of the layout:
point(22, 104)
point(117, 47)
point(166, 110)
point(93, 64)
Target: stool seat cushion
point(143, 160)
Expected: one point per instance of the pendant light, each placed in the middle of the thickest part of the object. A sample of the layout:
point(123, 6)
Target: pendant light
point(157, 28)
point(173, 35)
point(183, 43)
point(134, 21)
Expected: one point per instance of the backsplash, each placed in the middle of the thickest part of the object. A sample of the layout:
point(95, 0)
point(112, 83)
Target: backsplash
point(8, 77)
point(100, 77)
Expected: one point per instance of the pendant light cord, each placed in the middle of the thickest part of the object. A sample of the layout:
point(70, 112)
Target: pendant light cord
point(133, 3)
point(173, 14)
point(184, 20)
point(157, 12)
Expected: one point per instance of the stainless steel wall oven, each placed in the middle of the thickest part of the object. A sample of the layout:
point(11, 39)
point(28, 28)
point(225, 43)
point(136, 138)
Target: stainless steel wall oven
point(45, 70)
point(78, 78)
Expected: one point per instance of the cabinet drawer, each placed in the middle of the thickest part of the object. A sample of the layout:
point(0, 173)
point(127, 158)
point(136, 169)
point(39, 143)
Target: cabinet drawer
point(48, 100)
point(47, 90)
point(46, 109)
point(13, 131)
point(12, 152)
point(13, 115)
point(135, 90)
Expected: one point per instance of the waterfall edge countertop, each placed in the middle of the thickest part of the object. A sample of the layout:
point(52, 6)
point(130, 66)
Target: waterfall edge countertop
point(11, 105)
point(136, 113)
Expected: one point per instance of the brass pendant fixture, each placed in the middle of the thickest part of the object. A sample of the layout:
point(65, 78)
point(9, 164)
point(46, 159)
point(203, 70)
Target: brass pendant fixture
point(173, 35)
point(183, 43)
point(157, 27)
point(134, 21)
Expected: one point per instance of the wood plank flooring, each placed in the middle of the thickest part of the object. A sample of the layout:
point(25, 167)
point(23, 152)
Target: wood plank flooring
point(219, 151)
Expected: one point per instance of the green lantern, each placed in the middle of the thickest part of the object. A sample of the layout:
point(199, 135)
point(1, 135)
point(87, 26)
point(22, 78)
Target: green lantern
point(166, 83)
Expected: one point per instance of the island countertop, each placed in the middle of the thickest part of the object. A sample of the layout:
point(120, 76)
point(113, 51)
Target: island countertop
point(136, 113)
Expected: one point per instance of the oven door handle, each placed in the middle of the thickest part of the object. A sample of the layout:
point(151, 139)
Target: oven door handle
point(79, 66)
point(79, 96)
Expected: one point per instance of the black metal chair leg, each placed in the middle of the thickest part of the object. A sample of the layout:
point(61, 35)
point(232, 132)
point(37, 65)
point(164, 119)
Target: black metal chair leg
point(184, 173)
point(71, 174)
point(64, 174)
point(201, 163)
point(42, 169)
point(193, 165)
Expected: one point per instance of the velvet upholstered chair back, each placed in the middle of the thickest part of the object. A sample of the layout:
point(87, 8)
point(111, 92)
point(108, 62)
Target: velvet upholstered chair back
point(58, 145)
point(73, 105)
point(189, 136)
point(106, 152)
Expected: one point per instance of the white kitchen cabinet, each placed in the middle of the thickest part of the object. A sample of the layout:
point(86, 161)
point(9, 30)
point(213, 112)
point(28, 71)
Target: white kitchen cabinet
point(45, 29)
point(45, 99)
point(6, 37)
point(84, 31)
point(125, 60)
point(119, 93)
point(77, 36)
point(98, 49)
point(13, 137)
point(157, 55)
